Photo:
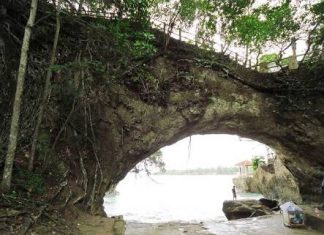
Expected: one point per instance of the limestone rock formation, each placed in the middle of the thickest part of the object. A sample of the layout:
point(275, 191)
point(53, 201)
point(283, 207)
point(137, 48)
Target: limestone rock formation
point(273, 181)
point(101, 122)
point(276, 182)
point(239, 209)
point(244, 184)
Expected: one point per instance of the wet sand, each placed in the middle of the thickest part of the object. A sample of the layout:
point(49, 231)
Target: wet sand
point(172, 228)
point(264, 225)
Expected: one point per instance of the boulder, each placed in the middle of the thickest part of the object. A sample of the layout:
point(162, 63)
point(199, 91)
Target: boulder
point(276, 182)
point(271, 204)
point(239, 209)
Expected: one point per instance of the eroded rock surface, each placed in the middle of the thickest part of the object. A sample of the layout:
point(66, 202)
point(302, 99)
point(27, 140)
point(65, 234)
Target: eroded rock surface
point(239, 209)
point(278, 183)
point(111, 121)
point(274, 181)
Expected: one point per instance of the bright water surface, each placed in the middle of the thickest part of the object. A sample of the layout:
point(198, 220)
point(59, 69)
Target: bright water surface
point(165, 198)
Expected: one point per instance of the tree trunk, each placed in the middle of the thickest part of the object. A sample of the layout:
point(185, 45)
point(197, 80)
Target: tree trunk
point(80, 6)
point(293, 63)
point(46, 88)
point(246, 55)
point(7, 171)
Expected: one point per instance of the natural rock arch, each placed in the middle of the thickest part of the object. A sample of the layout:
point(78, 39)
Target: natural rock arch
point(184, 91)
point(222, 101)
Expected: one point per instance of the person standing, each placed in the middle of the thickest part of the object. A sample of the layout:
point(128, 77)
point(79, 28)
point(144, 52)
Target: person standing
point(234, 192)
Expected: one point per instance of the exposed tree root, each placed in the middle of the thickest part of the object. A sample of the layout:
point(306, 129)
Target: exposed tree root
point(20, 215)
point(84, 182)
point(33, 219)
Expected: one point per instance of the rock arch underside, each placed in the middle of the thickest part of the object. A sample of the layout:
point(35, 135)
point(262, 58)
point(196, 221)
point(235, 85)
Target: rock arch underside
point(116, 123)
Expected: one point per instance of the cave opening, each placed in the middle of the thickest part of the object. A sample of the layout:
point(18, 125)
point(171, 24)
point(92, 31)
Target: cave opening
point(188, 180)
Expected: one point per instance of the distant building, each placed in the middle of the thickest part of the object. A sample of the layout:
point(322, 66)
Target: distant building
point(245, 168)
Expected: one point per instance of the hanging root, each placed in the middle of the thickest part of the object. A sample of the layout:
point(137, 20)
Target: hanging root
point(94, 149)
point(92, 197)
point(96, 184)
point(84, 182)
point(67, 199)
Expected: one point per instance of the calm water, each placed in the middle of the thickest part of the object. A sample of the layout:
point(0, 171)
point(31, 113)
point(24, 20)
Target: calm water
point(165, 198)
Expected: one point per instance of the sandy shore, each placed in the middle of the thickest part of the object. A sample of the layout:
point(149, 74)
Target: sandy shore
point(265, 225)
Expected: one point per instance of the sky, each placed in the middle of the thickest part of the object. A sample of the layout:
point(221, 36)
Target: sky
point(210, 151)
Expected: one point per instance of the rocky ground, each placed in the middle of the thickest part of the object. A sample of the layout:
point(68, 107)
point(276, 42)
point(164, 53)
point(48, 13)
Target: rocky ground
point(265, 225)
point(165, 229)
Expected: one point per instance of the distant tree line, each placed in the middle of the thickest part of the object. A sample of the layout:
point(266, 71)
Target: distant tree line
point(203, 171)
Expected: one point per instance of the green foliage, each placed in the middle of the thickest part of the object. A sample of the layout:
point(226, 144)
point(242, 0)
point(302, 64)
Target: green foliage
point(257, 161)
point(13, 193)
point(177, 12)
point(230, 9)
point(151, 164)
point(318, 10)
point(44, 143)
point(32, 182)
point(72, 83)
point(317, 37)
point(284, 62)
point(143, 45)
point(248, 29)
point(188, 10)
point(262, 25)
point(95, 65)
point(136, 10)
point(269, 58)
point(243, 22)
point(132, 40)
point(273, 58)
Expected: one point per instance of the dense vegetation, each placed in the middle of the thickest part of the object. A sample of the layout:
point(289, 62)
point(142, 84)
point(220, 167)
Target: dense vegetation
point(115, 42)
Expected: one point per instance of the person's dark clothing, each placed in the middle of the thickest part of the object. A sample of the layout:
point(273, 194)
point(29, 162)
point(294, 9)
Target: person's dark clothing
point(234, 193)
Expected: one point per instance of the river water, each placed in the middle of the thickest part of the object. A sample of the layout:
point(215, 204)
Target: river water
point(169, 198)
